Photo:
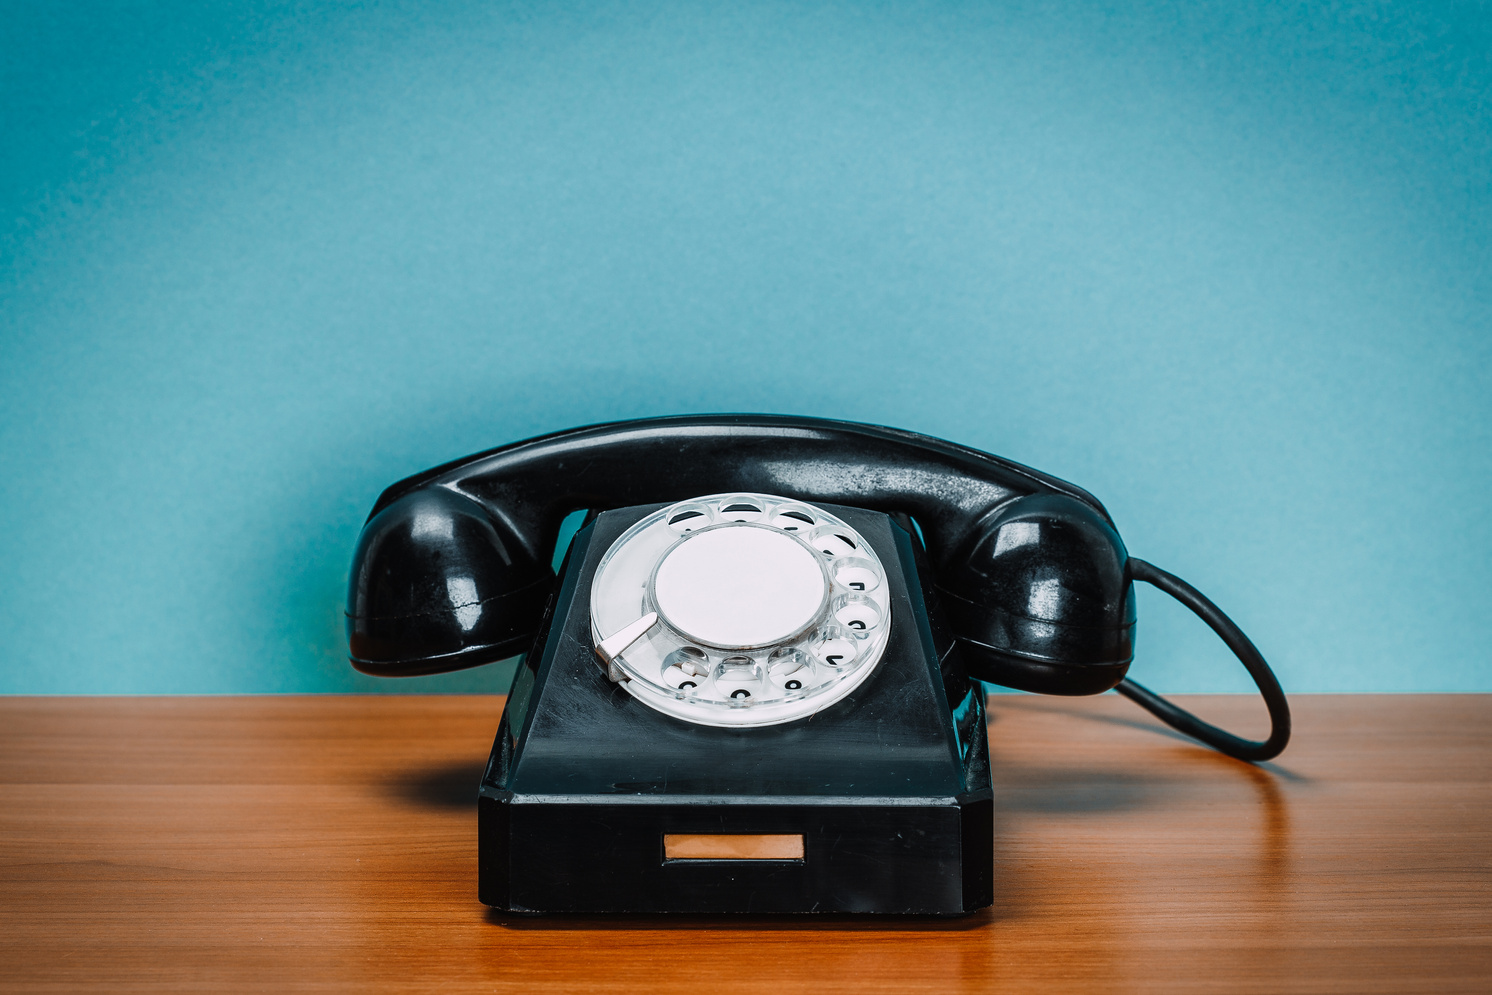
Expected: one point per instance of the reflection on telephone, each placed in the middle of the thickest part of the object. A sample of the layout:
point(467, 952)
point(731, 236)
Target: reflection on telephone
point(755, 684)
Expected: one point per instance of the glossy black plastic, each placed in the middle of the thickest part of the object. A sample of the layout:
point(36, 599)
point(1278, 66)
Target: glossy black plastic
point(438, 583)
point(452, 566)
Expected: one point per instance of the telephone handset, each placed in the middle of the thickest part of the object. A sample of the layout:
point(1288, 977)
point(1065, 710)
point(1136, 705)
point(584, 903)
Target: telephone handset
point(452, 571)
point(769, 628)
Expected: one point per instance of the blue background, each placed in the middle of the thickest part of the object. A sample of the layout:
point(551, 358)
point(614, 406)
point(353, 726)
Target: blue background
point(1225, 265)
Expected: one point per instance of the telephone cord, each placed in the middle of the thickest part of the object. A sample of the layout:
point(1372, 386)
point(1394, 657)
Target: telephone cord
point(1183, 721)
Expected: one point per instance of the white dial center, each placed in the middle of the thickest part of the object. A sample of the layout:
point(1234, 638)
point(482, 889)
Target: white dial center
point(740, 585)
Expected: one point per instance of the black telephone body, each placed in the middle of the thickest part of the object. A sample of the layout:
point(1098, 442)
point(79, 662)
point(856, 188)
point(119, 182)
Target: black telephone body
point(755, 684)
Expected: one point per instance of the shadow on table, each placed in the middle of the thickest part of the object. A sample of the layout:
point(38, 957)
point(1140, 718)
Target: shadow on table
point(449, 786)
point(1184, 776)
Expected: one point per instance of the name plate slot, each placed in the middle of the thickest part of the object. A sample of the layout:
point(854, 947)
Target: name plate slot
point(733, 846)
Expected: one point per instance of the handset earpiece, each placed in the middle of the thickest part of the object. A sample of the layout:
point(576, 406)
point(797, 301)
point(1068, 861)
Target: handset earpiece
point(1039, 594)
point(439, 584)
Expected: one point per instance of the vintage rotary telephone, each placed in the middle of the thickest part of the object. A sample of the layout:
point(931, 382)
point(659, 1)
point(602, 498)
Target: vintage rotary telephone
point(754, 685)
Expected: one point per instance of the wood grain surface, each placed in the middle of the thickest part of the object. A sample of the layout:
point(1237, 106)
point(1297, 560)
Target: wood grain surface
point(329, 844)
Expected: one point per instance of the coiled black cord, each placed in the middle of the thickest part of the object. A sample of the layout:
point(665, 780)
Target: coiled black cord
point(1183, 721)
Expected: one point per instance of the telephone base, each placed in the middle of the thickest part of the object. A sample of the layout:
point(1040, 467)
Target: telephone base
point(594, 803)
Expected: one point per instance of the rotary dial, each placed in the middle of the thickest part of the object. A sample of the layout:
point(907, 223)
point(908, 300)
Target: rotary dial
point(740, 610)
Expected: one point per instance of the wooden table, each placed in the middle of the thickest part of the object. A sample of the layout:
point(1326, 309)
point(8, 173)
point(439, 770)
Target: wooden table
point(328, 844)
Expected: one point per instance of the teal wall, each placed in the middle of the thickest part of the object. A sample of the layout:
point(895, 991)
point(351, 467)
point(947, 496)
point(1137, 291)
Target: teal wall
point(1225, 265)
